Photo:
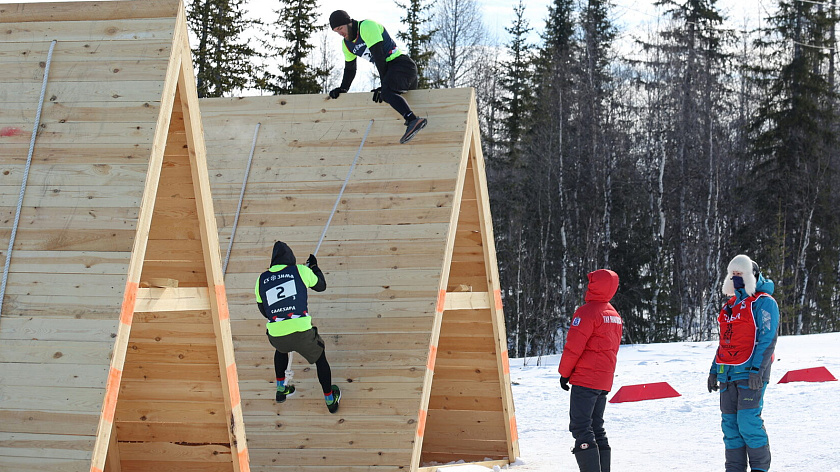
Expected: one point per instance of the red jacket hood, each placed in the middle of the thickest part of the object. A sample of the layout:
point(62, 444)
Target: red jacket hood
point(603, 284)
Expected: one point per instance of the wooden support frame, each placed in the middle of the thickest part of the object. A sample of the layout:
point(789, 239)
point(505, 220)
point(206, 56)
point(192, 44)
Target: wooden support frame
point(122, 128)
point(412, 317)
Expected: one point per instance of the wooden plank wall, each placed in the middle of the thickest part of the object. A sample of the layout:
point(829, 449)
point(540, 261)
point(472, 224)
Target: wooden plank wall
point(384, 258)
point(74, 241)
point(170, 413)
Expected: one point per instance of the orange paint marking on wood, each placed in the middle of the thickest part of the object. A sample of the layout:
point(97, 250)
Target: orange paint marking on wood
point(129, 302)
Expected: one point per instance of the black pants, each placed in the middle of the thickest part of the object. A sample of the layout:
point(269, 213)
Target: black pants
point(281, 361)
point(586, 415)
point(400, 78)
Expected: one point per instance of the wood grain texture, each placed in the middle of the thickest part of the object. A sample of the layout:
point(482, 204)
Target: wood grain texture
point(406, 227)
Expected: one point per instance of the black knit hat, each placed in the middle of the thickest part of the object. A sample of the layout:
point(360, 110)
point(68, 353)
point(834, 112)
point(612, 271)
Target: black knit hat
point(338, 18)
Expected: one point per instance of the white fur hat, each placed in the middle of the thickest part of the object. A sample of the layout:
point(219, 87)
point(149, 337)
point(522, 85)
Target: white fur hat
point(745, 265)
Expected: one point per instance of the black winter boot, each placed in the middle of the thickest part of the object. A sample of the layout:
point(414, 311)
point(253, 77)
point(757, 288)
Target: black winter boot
point(605, 453)
point(588, 457)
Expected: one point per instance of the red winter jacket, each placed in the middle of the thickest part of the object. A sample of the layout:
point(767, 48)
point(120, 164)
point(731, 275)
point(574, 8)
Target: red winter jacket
point(592, 343)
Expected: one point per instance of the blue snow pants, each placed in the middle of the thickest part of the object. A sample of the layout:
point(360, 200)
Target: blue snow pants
point(744, 435)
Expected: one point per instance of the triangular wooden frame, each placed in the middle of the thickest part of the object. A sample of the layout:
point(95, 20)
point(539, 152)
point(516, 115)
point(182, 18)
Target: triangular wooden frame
point(384, 293)
point(470, 293)
point(176, 218)
point(115, 343)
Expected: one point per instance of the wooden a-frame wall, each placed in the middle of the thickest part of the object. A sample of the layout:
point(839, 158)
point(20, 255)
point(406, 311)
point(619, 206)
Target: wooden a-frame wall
point(171, 398)
point(412, 316)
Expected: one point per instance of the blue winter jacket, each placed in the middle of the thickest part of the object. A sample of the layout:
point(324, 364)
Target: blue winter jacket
point(766, 315)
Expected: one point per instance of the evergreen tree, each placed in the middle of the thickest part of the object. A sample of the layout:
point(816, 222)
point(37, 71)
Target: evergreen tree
point(418, 42)
point(293, 30)
point(795, 223)
point(222, 58)
point(516, 87)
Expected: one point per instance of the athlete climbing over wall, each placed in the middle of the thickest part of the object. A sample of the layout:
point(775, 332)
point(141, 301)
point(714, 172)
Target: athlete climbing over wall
point(397, 72)
point(282, 299)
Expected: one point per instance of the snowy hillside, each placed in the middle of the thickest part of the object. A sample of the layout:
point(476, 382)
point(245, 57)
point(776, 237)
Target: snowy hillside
point(682, 433)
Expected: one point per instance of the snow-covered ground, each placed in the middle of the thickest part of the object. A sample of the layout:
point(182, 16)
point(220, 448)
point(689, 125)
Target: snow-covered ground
point(682, 433)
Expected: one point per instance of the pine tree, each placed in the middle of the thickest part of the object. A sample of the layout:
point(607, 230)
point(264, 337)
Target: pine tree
point(516, 84)
point(418, 42)
point(293, 29)
point(222, 58)
point(794, 135)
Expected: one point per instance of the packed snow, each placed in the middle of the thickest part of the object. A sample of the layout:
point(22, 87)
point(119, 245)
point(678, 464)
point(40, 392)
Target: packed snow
point(681, 433)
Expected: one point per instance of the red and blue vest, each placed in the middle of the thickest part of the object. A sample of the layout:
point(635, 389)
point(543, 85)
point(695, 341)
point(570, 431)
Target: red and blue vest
point(737, 330)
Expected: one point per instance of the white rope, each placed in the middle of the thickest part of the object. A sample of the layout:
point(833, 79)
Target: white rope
point(341, 192)
point(289, 372)
point(241, 198)
point(25, 176)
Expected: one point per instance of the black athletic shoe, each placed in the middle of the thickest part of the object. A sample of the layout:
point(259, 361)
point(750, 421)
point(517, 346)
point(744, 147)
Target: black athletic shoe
point(333, 407)
point(411, 128)
point(282, 394)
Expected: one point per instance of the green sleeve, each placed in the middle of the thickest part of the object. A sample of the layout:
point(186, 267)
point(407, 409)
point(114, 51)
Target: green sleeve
point(257, 290)
point(371, 32)
point(348, 56)
point(309, 278)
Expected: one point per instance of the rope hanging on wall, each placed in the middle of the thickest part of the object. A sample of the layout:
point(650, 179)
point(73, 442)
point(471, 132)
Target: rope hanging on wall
point(35, 127)
point(241, 198)
point(290, 373)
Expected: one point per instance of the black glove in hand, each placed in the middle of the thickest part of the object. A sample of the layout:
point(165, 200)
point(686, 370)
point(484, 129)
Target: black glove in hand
point(564, 383)
point(756, 382)
point(334, 93)
point(311, 261)
point(377, 95)
point(712, 382)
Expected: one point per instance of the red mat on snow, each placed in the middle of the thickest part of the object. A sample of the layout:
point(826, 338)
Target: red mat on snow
point(651, 391)
point(814, 374)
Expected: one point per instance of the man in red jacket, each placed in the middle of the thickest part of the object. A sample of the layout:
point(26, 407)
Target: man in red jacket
point(588, 363)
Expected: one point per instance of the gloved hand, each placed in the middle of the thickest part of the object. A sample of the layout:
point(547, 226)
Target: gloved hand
point(756, 382)
point(311, 261)
point(377, 95)
point(564, 383)
point(712, 383)
point(334, 93)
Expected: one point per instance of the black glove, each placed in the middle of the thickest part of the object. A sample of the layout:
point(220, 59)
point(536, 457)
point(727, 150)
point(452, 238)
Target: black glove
point(377, 95)
point(334, 93)
point(712, 383)
point(311, 262)
point(564, 383)
point(756, 382)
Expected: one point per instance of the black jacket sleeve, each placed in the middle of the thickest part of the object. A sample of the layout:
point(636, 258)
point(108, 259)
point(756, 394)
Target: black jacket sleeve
point(321, 285)
point(349, 74)
point(262, 308)
point(378, 53)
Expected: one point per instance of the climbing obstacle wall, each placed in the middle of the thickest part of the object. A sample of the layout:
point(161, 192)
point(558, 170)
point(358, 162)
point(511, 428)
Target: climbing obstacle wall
point(412, 315)
point(115, 345)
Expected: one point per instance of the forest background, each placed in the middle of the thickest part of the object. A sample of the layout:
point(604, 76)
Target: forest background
point(658, 153)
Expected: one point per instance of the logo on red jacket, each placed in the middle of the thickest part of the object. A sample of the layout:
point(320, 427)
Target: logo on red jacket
point(576, 321)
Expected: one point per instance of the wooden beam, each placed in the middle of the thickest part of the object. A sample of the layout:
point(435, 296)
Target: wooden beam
point(466, 301)
point(87, 11)
point(172, 299)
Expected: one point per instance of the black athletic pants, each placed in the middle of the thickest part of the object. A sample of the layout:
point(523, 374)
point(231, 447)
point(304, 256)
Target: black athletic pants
point(586, 414)
point(281, 361)
point(400, 78)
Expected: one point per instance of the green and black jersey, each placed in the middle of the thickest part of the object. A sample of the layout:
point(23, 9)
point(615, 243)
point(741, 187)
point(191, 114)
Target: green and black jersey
point(370, 33)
